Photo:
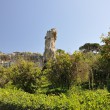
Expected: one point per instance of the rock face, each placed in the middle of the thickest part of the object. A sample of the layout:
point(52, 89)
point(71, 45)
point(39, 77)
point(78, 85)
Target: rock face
point(50, 39)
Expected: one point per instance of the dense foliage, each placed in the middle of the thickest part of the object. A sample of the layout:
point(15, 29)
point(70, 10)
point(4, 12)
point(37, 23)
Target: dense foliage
point(75, 99)
point(26, 86)
point(26, 75)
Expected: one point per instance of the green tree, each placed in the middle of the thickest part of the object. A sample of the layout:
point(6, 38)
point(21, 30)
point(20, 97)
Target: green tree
point(80, 68)
point(26, 75)
point(105, 52)
point(60, 71)
point(68, 70)
point(93, 61)
point(5, 76)
point(90, 47)
point(60, 51)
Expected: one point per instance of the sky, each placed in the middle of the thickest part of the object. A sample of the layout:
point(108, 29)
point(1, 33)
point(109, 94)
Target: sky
point(24, 23)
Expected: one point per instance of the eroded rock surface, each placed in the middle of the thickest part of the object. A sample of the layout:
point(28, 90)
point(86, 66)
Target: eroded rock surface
point(50, 39)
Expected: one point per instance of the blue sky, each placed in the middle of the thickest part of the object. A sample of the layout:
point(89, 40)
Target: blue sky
point(24, 23)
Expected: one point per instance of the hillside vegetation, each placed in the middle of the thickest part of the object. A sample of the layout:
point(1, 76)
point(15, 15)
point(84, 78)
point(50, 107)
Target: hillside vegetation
point(80, 81)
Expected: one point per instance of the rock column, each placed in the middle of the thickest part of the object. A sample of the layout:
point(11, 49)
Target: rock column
point(50, 39)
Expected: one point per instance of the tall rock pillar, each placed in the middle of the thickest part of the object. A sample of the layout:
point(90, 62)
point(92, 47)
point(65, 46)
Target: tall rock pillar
point(50, 39)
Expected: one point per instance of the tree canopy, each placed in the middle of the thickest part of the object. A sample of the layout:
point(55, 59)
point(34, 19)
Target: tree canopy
point(90, 47)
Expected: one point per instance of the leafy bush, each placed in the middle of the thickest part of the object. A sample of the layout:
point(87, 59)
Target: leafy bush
point(60, 71)
point(4, 76)
point(26, 75)
point(76, 99)
point(68, 70)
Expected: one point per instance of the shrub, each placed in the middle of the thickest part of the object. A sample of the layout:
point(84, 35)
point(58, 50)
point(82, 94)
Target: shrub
point(26, 75)
point(74, 100)
point(4, 76)
point(60, 71)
